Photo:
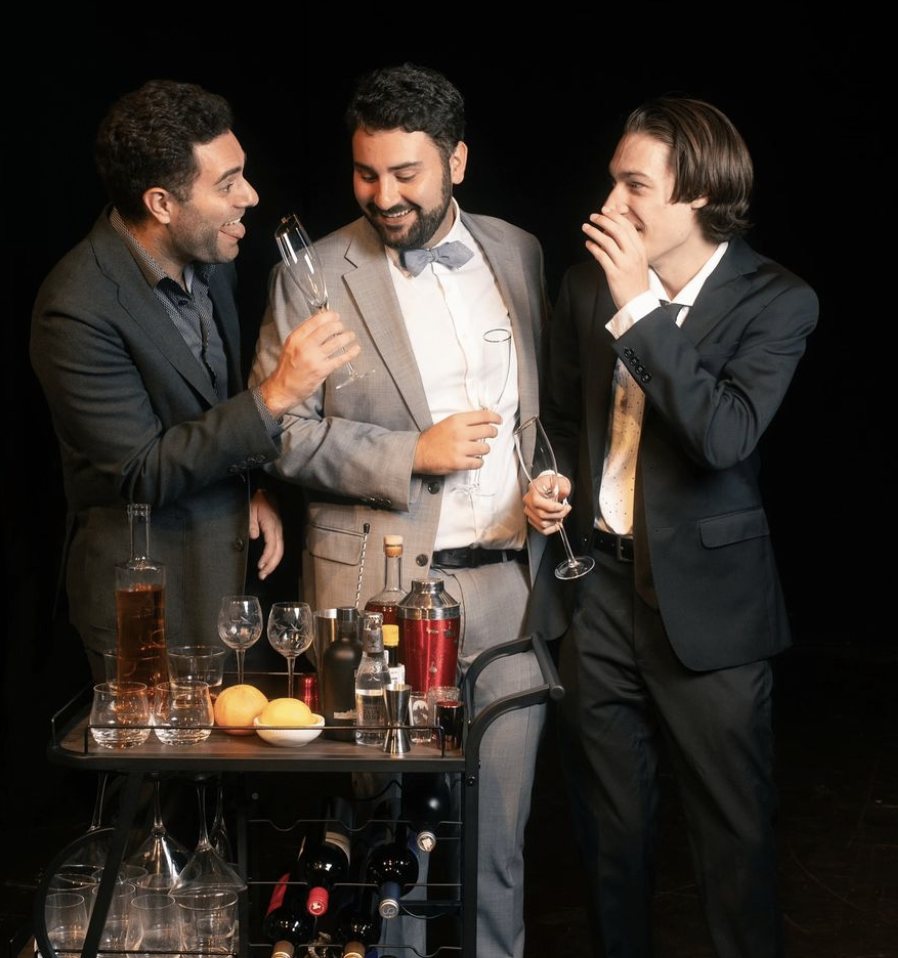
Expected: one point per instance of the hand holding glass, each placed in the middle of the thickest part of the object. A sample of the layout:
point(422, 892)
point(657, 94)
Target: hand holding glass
point(290, 633)
point(301, 259)
point(543, 473)
point(240, 625)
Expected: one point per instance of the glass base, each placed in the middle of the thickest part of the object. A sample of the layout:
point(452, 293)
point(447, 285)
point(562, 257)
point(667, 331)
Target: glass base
point(574, 568)
point(352, 377)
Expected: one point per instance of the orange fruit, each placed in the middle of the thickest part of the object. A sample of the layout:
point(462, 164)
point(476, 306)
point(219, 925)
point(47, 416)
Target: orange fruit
point(291, 713)
point(239, 705)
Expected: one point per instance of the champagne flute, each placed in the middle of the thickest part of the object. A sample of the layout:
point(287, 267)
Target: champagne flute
point(240, 625)
point(544, 474)
point(491, 382)
point(290, 633)
point(301, 259)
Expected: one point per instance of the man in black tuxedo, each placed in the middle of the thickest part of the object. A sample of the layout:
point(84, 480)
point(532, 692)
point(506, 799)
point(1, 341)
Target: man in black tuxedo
point(669, 359)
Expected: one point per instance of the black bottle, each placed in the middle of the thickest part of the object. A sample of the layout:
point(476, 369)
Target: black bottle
point(340, 660)
point(425, 803)
point(392, 867)
point(325, 862)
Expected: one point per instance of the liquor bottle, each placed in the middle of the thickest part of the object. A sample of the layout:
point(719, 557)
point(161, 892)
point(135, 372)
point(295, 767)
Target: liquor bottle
point(425, 803)
point(359, 926)
point(391, 655)
point(391, 867)
point(340, 661)
point(325, 862)
point(371, 679)
point(387, 600)
point(140, 608)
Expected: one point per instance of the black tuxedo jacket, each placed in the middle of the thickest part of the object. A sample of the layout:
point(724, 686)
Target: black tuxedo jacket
point(703, 552)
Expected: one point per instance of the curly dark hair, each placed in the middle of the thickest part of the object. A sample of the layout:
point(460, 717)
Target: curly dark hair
point(147, 139)
point(708, 157)
point(410, 98)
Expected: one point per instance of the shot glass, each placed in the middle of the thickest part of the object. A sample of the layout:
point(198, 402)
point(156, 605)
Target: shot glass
point(419, 718)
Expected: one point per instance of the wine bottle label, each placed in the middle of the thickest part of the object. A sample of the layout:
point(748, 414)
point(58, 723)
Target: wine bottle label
point(280, 891)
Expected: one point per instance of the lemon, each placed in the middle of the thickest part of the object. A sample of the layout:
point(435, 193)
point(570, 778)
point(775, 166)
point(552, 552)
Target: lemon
point(239, 705)
point(290, 713)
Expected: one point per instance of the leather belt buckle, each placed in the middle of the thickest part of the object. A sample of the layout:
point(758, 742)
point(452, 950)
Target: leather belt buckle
point(621, 547)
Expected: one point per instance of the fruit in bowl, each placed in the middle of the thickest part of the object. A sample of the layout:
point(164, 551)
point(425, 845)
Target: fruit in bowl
point(237, 706)
point(296, 723)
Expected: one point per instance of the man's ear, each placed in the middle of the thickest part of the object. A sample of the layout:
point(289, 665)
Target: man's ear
point(457, 162)
point(159, 202)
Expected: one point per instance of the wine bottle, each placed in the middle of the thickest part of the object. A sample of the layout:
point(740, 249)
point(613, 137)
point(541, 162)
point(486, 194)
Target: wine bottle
point(391, 655)
point(359, 927)
point(325, 862)
point(425, 803)
point(371, 679)
point(340, 661)
point(286, 924)
point(391, 867)
point(387, 600)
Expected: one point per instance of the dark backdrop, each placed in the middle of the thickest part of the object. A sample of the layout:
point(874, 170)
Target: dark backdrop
point(545, 102)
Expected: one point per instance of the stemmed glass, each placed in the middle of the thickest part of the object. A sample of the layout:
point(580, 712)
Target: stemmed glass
point(160, 854)
point(301, 259)
point(205, 867)
point(544, 474)
point(240, 625)
point(290, 633)
point(491, 381)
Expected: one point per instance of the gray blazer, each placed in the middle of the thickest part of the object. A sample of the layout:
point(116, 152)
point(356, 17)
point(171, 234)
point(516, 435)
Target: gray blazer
point(138, 420)
point(353, 448)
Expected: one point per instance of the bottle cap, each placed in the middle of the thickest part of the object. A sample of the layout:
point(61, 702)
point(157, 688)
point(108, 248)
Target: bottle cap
point(392, 540)
point(426, 840)
point(317, 902)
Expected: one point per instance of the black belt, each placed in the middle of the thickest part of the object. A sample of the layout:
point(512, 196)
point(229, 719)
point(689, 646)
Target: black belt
point(471, 557)
point(621, 547)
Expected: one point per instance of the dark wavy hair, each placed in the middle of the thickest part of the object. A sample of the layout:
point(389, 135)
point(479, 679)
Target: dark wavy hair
point(147, 139)
point(708, 157)
point(410, 98)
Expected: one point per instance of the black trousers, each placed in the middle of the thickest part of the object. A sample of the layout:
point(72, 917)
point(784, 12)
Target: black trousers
point(628, 693)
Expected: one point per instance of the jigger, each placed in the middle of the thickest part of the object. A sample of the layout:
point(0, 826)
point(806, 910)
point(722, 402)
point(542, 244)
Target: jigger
point(396, 699)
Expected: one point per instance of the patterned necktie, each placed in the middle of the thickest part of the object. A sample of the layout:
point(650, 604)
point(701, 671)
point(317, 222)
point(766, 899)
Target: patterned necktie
point(618, 487)
point(451, 255)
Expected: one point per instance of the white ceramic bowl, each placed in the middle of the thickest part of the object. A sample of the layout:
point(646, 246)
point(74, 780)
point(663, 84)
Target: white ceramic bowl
point(287, 737)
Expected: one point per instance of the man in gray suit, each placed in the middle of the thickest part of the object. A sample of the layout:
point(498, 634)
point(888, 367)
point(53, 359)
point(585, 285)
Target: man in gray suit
point(135, 341)
point(420, 282)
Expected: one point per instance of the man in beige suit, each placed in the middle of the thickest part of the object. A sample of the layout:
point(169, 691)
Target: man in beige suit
point(420, 282)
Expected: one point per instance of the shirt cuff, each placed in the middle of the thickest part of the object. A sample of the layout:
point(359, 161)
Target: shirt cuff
point(273, 426)
point(630, 314)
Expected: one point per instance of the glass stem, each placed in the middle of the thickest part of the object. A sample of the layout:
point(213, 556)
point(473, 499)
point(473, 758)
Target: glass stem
point(201, 800)
point(290, 661)
point(567, 546)
point(240, 654)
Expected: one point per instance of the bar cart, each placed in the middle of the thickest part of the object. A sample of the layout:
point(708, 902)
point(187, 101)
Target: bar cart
point(72, 746)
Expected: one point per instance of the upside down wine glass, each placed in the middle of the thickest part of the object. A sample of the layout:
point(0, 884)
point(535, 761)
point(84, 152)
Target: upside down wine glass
point(543, 472)
point(301, 260)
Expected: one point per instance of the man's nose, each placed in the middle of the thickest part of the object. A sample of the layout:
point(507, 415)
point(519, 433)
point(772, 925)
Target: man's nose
point(250, 197)
point(386, 194)
point(614, 198)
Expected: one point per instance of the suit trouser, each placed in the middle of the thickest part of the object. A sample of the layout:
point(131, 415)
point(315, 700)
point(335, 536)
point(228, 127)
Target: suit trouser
point(627, 692)
point(493, 605)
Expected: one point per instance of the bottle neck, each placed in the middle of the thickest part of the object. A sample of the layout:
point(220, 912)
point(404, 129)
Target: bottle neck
point(393, 570)
point(139, 529)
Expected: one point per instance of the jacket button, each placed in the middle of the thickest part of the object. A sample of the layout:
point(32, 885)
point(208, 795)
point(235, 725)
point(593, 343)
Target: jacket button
point(239, 544)
point(421, 559)
point(628, 351)
point(433, 487)
point(646, 377)
point(640, 368)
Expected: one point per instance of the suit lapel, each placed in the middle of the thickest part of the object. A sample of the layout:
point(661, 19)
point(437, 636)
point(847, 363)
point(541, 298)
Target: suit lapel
point(141, 304)
point(369, 285)
point(505, 261)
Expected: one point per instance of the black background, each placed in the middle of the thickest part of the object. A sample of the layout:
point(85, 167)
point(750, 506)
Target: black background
point(545, 101)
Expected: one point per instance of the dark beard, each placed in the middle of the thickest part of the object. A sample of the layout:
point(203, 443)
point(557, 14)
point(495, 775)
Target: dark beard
point(427, 222)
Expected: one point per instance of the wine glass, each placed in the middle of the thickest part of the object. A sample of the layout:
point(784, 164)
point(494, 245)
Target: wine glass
point(161, 854)
point(240, 625)
point(492, 379)
point(205, 869)
point(290, 633)
point(301, 259)
point(544, 474)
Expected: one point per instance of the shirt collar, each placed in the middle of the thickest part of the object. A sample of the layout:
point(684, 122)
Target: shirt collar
point(689, 293)
point(458, 231)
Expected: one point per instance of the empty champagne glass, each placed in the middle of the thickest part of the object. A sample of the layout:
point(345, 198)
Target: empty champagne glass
point(543, 472)
point(240, 625)
point(492, 378)
point(301, 259)
point(290, 633)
